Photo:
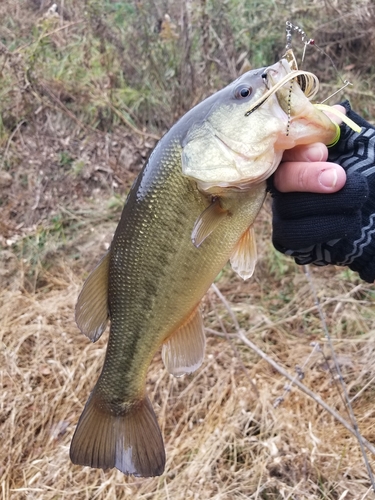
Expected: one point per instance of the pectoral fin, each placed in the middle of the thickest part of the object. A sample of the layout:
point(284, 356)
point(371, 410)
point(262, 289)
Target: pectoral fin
point(92, 305)
point(244, 256)
point(183, 352)
point(208, 220)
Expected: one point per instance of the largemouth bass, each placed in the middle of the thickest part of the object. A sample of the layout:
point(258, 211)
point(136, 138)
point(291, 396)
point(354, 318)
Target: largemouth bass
point(190, 210)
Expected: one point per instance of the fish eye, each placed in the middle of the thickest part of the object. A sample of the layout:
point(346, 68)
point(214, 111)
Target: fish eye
point(242, 92)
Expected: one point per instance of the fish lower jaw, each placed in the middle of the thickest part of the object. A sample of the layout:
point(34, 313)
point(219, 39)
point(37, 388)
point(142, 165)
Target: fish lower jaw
point(302, 133)
point(249, 166)
point(233, 149)
point(245, 182)
point(285, 142)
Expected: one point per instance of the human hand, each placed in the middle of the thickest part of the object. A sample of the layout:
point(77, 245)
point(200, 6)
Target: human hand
point(336, 229)
point(306, 169)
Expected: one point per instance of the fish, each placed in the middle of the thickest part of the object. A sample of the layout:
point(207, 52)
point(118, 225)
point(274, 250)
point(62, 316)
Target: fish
point(190, 210)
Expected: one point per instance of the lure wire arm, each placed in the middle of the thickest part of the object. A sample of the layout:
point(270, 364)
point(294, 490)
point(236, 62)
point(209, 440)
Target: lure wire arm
point(290, 27)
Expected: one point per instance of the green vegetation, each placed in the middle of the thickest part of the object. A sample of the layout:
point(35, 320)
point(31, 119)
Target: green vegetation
point(84, 94)
point(145, 63)
point(100, 66)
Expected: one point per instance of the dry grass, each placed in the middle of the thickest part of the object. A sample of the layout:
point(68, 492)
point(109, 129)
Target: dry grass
point(71, 160)
point(223, 439)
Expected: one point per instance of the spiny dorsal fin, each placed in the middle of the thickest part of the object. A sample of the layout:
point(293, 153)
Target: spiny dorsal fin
point(131, 441)
point(208, 220)
point(183, 352)
point(92, 305)
point(244, 256)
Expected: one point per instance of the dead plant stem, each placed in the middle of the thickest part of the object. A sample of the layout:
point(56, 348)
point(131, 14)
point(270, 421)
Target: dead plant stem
point(347, 402)
point(303, 388)
point(241, 336)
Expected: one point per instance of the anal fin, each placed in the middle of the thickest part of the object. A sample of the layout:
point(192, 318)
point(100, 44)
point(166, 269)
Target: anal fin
point(244, 256)
point(183, 352)
point(208, 220)
point(91, 311)
point(130, 440)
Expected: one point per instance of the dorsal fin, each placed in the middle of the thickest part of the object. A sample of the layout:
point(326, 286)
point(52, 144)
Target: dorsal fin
point(183, 352)
point(244, 256)
point(207, 222)
point(92, 305)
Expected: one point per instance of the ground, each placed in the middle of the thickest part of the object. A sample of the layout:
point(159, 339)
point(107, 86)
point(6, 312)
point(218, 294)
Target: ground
point(63, 179)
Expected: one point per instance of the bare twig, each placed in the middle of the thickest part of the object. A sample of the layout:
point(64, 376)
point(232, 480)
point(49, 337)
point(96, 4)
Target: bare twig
point(45, 35)
point(273, 324)
point(19, 125)
point(282, 371)
point(130, 125)
point(237, 354)
point(299, 374)
point(342, 383)
point(303, 388)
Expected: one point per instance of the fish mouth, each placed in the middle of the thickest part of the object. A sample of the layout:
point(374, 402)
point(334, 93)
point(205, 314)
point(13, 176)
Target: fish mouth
point(276, 78)
point(235, 148)
point(281, 81)
point(307, 82)
point(239, 151)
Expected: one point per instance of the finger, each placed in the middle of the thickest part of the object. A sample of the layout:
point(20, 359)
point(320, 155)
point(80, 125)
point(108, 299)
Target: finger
point(316, 177)
point(311, 152)
point(336, 118)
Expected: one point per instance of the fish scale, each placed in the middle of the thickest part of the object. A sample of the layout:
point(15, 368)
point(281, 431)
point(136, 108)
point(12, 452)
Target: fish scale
point(190, 210)
point(166, 264)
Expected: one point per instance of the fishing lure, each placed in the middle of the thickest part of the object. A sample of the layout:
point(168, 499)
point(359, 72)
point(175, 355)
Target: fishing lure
point(309, 41)
point(307, 81)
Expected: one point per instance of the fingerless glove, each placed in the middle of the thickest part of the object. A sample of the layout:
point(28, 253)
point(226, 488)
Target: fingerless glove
point(336, 228)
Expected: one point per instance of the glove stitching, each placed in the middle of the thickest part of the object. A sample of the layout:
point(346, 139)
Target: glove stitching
point(356, 247)
point(359, 159)
point(361, 243)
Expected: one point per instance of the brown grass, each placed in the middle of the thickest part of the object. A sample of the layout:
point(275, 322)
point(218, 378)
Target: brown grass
point(224, 437)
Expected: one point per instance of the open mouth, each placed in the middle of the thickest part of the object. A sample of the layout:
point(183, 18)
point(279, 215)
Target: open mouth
point(281, 73)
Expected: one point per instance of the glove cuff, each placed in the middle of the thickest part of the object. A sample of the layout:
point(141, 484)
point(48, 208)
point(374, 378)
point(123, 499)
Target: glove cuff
point(365, 265)
point(356, 153)
point(362, 257)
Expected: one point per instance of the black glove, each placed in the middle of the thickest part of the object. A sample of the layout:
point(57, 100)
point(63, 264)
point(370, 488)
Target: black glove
point(336, 228)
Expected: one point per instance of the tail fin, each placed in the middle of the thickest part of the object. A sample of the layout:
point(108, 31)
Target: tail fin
point(131, 442)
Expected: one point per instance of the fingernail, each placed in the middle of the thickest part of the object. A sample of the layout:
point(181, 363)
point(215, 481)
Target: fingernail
point(328, 178)
point(315, 152)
